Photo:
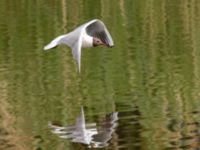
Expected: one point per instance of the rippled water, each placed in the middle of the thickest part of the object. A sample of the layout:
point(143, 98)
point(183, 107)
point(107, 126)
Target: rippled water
point(141, 94)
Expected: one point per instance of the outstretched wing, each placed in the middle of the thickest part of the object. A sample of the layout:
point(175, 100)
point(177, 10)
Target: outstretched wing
point(99, 30)
point(94, 28)
point(76, 46)
point(59, 40)
point(76, 51)
point(73, 40)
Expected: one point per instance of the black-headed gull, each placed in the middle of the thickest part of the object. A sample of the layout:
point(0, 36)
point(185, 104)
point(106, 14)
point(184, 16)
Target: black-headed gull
point(95, 135)
point(90, 34)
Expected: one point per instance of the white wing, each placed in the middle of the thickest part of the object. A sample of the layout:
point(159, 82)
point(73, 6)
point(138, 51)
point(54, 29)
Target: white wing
point(99, 30)
point(67, 39)
point(55, 42)
point(73, 39)
point(94, 28)
point(76, 51)
point(76, 47)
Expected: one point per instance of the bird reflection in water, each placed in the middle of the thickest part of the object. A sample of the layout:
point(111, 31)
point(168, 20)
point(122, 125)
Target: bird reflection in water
point(92, 134)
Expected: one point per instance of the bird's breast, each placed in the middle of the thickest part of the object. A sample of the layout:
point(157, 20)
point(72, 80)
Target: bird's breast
point(87, 41)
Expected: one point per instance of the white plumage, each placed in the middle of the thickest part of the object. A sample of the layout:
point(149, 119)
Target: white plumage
point(85, 36)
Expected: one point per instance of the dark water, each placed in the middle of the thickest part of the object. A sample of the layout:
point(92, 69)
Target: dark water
point(142, 94)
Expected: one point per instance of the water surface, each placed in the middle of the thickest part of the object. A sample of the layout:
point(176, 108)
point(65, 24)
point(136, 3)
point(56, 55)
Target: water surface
point(151, 78)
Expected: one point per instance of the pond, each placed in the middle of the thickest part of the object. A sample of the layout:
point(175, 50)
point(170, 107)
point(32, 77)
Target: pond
point(141, 94)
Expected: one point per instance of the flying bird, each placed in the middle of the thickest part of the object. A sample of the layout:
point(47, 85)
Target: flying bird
point(90, 34)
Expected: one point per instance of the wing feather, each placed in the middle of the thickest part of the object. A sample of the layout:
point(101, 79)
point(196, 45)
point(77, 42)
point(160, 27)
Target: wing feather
point(73, 39)
point(76, 51)
point(99, 30)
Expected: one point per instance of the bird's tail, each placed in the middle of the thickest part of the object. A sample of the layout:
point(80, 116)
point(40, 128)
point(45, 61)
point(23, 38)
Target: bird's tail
point(55, 42)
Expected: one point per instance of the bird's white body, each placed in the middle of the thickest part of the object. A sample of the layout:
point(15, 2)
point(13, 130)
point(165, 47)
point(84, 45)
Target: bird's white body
point(87, 41)
point(82, 37)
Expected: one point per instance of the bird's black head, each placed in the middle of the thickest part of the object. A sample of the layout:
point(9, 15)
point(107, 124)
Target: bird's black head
point(97, 42)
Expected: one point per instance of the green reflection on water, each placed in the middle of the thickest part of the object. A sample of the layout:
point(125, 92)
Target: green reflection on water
point(154, 66)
